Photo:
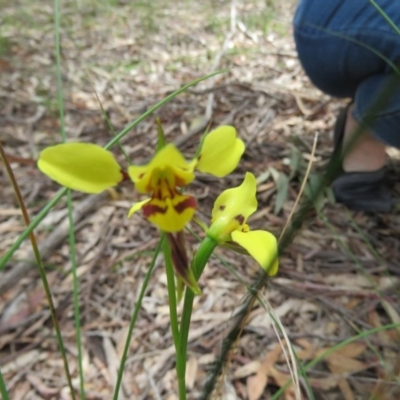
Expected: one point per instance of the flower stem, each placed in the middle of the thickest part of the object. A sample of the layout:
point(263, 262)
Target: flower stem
point(200, 260)
point(3, 389)
point(180, 361)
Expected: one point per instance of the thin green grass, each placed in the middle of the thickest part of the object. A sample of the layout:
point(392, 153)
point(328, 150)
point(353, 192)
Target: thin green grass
point(135, 314)
point(321, 357)
point(365, 273)
point(40, 265)
point(3, 388)
point(384, 15)
point(71, 228)
point(292, 361)
point(130, 257)
point(373, 251)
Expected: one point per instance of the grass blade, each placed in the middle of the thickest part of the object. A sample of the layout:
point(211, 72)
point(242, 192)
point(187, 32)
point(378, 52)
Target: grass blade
point(321, 357)
point(134, 317)
point(384, 15)
point(72, 242)
point(40, 265)
point(3, 389)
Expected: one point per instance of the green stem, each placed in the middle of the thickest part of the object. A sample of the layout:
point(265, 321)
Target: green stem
point(200, 260)
point(134, 318)
point(206, 248)
point(75, 289)
point(3, 389)
point(180, 362)
point(33, 224)
point(60, 97)
point(384, 15)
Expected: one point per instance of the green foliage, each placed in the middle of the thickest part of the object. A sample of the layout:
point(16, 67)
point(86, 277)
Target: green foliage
point(282, 188)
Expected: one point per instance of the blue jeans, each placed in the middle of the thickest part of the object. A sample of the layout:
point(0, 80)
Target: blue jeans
point(348, 49)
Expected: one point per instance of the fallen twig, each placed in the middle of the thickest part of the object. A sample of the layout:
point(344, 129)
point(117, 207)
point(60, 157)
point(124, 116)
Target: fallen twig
point(10, 278)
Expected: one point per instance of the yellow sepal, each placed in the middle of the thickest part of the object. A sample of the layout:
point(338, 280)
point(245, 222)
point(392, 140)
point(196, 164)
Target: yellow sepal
point(262, 246)
point(221, 152)
point(81, 166)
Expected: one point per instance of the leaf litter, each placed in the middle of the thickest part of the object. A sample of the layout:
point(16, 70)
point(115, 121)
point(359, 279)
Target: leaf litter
point(133, 55)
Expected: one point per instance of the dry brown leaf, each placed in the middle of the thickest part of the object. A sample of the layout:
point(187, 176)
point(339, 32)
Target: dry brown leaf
point(281, 380)
point(191, 372)
point(345, 389)
point(112, 363)
point(375, 320)
point(326, 383)
point(391, 312)
point(342, 383)
point(40, 387)
point(248, 369)
point(255, 386)
point(21, 390)
point(341, 363)
point(257, 383)
point(22, 361)
point(352, 350)
point(307, 354)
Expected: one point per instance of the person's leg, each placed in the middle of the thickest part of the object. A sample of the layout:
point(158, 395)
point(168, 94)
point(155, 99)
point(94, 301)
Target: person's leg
point(367, 153)
point(338, 44)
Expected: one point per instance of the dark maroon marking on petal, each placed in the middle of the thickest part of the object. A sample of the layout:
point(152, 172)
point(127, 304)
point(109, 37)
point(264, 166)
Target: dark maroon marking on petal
point(151, 209)
point(157, 194)
point(239, 218)
point(222, 208)
point(189, 202)
point(172, 192)
point(199, 157)
point(125, 176)
point(179, 181)
point(141, 175)
point(180, 259)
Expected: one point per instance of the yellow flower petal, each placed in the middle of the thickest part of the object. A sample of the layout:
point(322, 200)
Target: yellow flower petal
point(262, 246)
point(168, 161)
point(170, 214)
point(81, 166)
point(232, 208)
point(221, 152)
point(137, 206)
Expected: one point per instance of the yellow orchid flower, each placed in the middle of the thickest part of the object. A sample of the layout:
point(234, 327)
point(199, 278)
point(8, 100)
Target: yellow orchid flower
point(91, 169)
point(228, 224)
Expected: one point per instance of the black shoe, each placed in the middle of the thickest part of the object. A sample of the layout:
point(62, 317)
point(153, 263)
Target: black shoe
point(360, 191)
